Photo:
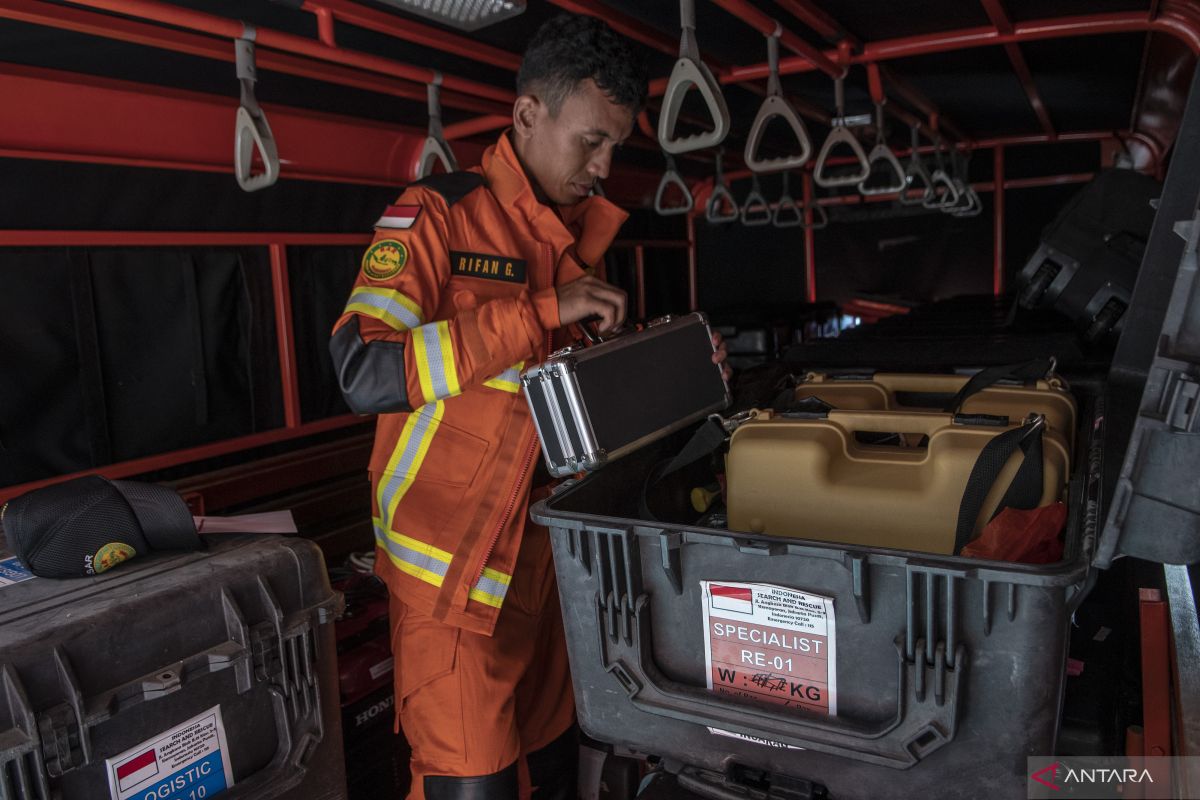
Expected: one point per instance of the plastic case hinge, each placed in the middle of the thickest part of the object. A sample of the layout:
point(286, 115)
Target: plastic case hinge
point(22, 772)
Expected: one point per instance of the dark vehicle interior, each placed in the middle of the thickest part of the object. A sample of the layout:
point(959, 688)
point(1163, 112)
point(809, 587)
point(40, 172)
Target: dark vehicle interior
point(943, 187)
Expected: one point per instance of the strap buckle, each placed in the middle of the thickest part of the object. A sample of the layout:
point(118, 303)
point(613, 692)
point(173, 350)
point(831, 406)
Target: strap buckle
point(732, 423)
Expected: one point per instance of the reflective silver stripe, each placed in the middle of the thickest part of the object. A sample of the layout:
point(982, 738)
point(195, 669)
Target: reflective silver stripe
point(494, 588)
point(424, 418)
point(510, 375)
point(431, 336)
point(422, 562)
point(387, 305)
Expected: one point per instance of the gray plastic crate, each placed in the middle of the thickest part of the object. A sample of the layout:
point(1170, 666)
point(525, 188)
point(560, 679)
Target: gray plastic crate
point(93, 667)
point(950, 671)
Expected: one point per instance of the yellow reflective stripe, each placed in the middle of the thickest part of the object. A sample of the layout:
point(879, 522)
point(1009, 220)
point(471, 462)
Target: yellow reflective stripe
point(421, 356)
point(387, 305)
point(509, 380)
point(407, 458)
point(450, 369)
point(491, 587)
point(412, 557)
point(435, 361)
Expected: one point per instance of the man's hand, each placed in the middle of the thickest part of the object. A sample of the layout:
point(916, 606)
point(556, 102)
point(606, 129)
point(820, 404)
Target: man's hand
point(721, 355)
point(591, 296)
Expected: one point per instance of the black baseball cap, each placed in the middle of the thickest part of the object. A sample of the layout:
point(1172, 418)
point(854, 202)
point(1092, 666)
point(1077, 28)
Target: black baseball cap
point(88, 525)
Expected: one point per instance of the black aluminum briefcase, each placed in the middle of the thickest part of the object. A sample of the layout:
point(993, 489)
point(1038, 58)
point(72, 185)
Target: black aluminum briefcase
point(594, 404)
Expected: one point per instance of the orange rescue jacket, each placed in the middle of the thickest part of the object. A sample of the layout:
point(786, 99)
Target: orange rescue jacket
point(456, 294)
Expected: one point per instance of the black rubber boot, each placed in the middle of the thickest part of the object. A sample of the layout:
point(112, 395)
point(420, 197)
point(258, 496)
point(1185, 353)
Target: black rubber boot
point(554, 770)
point(500, 785)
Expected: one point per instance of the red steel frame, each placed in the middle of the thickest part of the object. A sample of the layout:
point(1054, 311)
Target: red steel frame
point(347, 155)
point(276, 243)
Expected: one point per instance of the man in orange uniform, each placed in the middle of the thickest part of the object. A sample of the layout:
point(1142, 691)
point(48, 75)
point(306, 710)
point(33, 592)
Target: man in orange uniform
point(468, 278)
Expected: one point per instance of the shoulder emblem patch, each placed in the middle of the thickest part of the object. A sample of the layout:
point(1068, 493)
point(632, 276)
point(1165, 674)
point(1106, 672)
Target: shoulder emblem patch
point(384, 259)
point(398, 217)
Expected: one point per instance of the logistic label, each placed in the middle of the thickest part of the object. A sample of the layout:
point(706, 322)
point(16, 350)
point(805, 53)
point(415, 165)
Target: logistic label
point(770, 644)
point(13, 571)
point(188, 762)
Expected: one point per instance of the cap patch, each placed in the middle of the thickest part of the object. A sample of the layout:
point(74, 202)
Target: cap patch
point(108, 557)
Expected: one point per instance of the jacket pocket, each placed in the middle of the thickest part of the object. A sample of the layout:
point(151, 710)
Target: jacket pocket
point(426, 478)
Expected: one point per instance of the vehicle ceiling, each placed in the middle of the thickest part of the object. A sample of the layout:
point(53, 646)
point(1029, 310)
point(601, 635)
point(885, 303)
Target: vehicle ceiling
point(1087, 83)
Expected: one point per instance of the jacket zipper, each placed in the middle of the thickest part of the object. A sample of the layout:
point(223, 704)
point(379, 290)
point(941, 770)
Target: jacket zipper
point(526, 463)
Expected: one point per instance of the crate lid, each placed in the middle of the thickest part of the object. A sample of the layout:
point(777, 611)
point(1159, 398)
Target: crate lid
point(1153, 411)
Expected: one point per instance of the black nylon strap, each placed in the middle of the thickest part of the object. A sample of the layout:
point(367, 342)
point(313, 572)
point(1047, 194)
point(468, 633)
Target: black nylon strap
point(1025, 371)
point(706, 440)
point(1025, 490)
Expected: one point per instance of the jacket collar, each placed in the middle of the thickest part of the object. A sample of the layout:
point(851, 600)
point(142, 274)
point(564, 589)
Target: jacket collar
point(589, 226)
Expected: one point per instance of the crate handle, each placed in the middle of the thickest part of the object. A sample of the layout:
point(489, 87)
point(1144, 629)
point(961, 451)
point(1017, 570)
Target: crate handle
point(924, 721)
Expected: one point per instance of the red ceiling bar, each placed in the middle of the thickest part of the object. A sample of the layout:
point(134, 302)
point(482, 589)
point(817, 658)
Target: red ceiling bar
point(470, 127)
point(410, 31)
point(31, 238)
point(54, 114)
point(125, 30)
point(281, 289)
point(140, 466)
point(297, 45)
point(1177, 23)
point(622, 24)
point(999, 17)
point(816, 19)
point(764, 24)
point(998, 221)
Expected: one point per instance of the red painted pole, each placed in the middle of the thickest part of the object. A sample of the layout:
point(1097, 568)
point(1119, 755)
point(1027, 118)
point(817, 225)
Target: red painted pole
point(281, 289)
point(810, 244)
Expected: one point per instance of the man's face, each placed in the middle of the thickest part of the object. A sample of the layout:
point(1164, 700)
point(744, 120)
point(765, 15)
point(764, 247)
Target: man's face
point(567, 153)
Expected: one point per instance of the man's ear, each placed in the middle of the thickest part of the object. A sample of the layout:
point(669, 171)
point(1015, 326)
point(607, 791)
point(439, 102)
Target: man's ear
point(527, 110)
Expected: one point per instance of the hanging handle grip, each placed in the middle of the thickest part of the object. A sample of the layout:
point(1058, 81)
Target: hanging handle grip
point(436, 148)
point(915, 174)
point(669, 178)
point(882, 156)
point(840, 135)
point(776, 105)
point(252, 130)
point(720, 195)
point(756, 211)
point(787, 213)
point(690, 71)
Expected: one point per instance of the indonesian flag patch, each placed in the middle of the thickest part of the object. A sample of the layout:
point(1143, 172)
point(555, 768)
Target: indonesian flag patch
point(398, 217)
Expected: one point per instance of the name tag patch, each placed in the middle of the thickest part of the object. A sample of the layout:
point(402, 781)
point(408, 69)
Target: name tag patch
point(492, 267)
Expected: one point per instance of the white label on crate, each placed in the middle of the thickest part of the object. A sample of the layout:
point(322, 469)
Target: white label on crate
point(753, 739)
point(382, 668)
point(13, 571)
point(188, 762)
point(770, 644)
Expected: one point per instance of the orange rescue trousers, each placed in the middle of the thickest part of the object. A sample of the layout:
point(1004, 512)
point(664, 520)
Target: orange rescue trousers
point(474, 705)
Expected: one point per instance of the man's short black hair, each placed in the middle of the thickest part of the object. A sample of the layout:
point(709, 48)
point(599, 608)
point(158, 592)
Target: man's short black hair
point(572, 47)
